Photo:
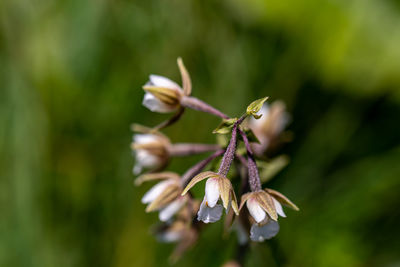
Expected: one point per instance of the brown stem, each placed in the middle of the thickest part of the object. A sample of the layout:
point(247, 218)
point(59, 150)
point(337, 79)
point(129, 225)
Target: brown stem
point(170, 121)
point(197, 104)
point(229, 153)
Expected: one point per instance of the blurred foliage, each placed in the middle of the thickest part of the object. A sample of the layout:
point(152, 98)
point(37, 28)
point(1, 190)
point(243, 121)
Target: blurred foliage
point(70, 85)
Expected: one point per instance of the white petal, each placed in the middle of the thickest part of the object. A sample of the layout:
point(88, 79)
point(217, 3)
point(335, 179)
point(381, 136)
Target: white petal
point(169, 236)
point(161, 81)
point(154, 104)
point(267, 231)
point(264, 111)
point(212, 191)
point(255, 210)
point(167, 212)
point(145, 159)
point(278, 208)
point(145, 138)
point(208, 214)
point(155, 191)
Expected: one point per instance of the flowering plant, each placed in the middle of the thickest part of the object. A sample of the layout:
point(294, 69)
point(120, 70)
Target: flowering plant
point(260, 129)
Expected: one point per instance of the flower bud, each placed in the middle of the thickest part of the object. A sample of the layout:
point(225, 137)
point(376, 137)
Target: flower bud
point(162, 94)
point(269, 126)
point(165, 195)
point(151, 151)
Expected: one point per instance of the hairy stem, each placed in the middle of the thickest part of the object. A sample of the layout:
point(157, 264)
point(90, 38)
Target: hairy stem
point(229, 153)
point(190, 149)
point(197, 104)
point(254, 177)
point(196, 169)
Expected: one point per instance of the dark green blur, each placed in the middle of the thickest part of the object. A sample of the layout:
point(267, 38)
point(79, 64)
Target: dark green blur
point(71, 73)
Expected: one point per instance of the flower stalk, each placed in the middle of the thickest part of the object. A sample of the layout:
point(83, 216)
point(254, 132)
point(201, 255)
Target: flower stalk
point(183, 149)
point(197, 104)
point(229, 153)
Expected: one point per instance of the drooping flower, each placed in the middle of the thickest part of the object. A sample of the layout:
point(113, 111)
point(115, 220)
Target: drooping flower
point(270, 125)
point(165, 195)
point(264, 207)
point(180, 230)
point(151, 151)
point(217, 187)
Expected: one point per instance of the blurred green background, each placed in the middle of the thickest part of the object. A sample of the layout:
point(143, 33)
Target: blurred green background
point(70, 86)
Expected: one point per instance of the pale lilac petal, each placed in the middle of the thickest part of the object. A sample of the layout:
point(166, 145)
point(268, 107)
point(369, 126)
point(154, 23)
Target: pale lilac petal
point(167, 212)
point(145, 138)
point(161, 81)
point(145, 159)
point(255, 210)
point(212, 192)
point(208, 214)
point(278, 208)
point(267, 231)
point(154, 104)
point(155, 191)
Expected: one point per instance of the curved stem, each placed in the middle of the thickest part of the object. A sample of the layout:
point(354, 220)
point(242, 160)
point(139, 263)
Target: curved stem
point(197, 104)
point(170, 121)
point(196, 169)
point(254, 177)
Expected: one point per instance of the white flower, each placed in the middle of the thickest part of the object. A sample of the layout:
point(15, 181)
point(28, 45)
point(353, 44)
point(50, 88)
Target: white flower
point(165, 195)
point(217, 187)
point(258, 213)
point(171, 209)
point(150, 151)
point(171, 232)
point(259, 233)
point(264, 207)
point(170, 236)
point(162, 95)
point(156, 191)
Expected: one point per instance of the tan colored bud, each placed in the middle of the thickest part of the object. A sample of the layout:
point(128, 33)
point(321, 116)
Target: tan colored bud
point(151, 151)
point(163, 95)
point(270, 126)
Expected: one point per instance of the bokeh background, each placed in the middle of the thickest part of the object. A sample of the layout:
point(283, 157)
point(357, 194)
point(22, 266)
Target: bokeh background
point(71, 73)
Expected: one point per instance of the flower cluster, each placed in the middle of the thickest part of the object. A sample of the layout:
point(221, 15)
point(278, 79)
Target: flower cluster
point(252, 136)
